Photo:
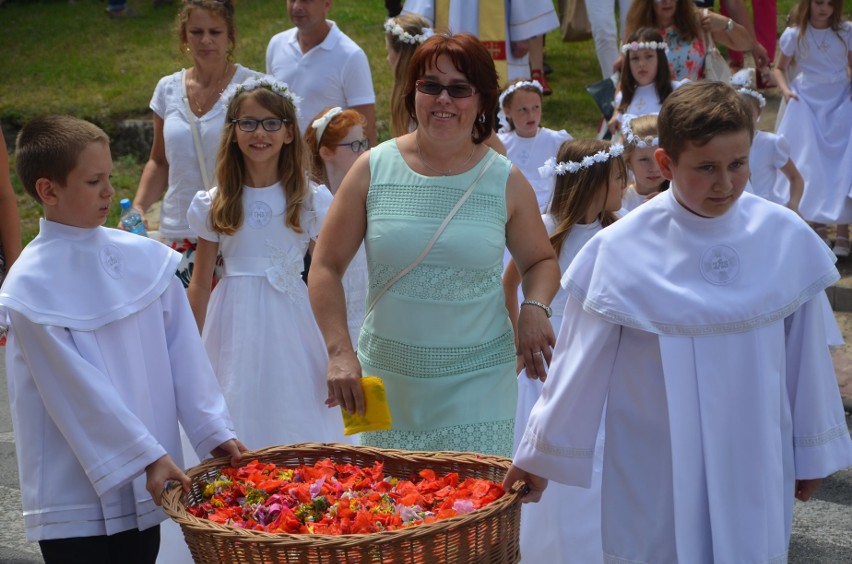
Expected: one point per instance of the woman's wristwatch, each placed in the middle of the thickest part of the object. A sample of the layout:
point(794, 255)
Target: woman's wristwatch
point(537, 303)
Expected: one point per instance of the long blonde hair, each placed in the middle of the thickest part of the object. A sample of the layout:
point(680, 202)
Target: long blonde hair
point(575, 192)
point(226, 211)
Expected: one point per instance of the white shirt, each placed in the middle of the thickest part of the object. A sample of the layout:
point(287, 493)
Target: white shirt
point(100, 370)
point(334, 73)
point(645, 100)
point(529, 153)
point(185, 177)
point(768, 153)
point(719, 386)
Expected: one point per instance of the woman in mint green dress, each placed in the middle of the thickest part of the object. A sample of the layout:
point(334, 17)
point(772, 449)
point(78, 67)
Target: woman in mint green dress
point(439, 336)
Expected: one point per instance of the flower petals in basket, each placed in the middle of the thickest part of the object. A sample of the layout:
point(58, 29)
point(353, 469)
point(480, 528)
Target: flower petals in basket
point(486, 534)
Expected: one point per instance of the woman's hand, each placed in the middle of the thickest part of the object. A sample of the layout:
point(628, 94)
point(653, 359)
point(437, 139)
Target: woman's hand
point(344, 383)
point(535, 341)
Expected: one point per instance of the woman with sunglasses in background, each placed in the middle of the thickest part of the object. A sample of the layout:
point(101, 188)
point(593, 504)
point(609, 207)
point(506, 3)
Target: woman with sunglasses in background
point(188, 120)
point(435, 209)
point(336, 139)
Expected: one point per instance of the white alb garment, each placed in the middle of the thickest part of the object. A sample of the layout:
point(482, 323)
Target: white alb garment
point(100, 369)
point(184, 175)
point(260, 333)
point(526, 19)
point(565, 525)
point(334, 73)
point(529, 153)
point(718, 383)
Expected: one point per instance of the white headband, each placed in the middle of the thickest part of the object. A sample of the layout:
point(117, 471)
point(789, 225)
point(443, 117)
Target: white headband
point(322, 122)
point(551, 167)
point(631, 137)
point(397, 31)
point(636, 45)
point(743, 81)
point(263, 81)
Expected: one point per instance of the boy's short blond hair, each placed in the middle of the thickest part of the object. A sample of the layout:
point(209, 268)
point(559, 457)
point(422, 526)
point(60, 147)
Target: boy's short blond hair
point(49, 147)
point(699, 111)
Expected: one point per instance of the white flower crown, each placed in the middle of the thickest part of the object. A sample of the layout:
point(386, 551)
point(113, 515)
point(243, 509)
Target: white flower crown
point(632, 138)
point(636, 45)
point(551, 167)
point(743, 81)
point(264, 81)
point(322, 122)
point(397, 31)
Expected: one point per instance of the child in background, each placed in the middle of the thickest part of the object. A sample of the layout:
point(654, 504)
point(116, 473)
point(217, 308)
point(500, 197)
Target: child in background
point(646, 81)
point(336, 139)
point(257, 325)
point(818, 113)
point(584, 201)
point(770, 153)
point(403, 35)
point(640, 141)
point(10, 223)
point(527, 143)
point(709, 353)
point(103, 361)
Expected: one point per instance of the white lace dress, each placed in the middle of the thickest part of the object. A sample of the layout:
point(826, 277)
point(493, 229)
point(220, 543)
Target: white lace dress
point(260, 332)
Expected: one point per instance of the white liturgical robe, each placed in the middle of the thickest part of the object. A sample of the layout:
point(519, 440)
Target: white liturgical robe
point(103, 359)
point(711, 356)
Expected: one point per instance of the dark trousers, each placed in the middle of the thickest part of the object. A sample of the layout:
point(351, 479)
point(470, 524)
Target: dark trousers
point(127, 547)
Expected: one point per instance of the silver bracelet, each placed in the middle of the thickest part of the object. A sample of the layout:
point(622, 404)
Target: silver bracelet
point(537, 303)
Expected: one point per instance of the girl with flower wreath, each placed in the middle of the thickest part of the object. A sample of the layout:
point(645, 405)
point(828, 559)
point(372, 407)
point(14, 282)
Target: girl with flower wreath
point(640, 141)
point(590, 178)
point(257, 324)
point(403, 35)
point(818, 114)
point(646, 80)
point(527, 143)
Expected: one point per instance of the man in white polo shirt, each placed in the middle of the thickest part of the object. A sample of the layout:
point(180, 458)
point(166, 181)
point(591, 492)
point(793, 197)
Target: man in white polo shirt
point(322, 65)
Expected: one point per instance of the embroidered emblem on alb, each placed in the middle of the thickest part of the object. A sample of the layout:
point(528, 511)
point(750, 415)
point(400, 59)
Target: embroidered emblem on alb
point(112, 261)
point(258, 214)
point(720, 265)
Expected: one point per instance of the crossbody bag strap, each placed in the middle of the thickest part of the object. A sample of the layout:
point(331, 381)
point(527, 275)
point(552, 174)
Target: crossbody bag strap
point(434, 238)
point(196, 138)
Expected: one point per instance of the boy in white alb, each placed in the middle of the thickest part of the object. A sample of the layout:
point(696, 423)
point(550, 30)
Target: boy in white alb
point(322, 65)
point(103, 360)
point(721, 398)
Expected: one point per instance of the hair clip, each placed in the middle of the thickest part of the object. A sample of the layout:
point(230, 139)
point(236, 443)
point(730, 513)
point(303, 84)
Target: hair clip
point(553, 168)
point(322, 122)
point(632, 138)
point(397, 31)
point(264, 81)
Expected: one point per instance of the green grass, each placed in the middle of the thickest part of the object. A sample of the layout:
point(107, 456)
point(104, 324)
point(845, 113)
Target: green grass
point(71, 58)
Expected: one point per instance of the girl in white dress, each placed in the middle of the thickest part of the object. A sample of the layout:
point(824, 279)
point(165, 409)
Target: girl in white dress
point(527, 143)
point(772, 173)
point(646, 79)
point(640, 142)
point(818, 113)
point(336, 139)
point(565, 526)
point(257, 325)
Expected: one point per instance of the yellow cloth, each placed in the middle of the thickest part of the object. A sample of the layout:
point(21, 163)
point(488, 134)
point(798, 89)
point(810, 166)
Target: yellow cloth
point(492, 30)
point(377, 417)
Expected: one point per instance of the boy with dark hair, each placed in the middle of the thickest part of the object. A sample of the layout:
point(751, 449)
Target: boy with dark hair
point(709, 352)
point(103, 360)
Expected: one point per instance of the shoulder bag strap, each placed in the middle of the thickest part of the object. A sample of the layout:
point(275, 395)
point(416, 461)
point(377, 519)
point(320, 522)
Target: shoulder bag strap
point(196, 138)
point(434, 238)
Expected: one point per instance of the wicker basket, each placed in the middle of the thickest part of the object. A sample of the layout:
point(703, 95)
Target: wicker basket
point(489, 534)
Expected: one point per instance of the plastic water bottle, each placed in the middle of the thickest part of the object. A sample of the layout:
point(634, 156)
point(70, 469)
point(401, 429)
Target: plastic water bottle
point(131, 219)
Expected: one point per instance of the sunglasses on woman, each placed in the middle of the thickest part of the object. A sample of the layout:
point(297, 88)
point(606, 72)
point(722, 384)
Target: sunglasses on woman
point(269, 124)
point(435, 88)
point(357, 146)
